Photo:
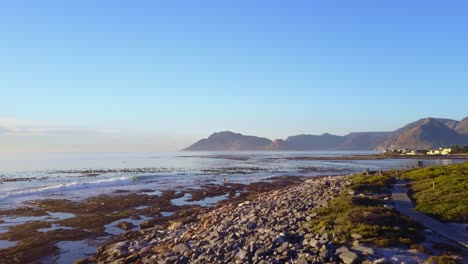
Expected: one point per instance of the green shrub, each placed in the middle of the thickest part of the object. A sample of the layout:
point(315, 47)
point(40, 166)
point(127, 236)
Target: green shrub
point(442, 260)
point(381, 226)
point(448, 201)
point(371, 184)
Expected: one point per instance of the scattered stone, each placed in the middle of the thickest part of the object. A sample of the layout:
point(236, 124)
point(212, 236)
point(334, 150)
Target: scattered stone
point(264, 229)
point(381, 261)
point(131, 259)
point(363, 250)
point(241, 255)
point(175, 225)
point(347, 256)
point(118, 249)
point(81, 261)
point(181, 248)
point(283, 247)
point(125, 226)
point(135, 217)
point(314, 243)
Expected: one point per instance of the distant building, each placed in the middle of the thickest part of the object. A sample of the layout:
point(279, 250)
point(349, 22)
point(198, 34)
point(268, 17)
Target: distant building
point(416, 152)
point(395, 151)
point(440, 151)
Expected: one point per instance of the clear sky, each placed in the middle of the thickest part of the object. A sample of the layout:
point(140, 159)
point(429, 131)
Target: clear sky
point(157, 75)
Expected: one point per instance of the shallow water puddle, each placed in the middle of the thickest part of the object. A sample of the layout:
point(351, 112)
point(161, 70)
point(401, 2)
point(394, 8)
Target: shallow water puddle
point(70, 251)
point(141, 207)
point(22, 219)
point(208, 201)
point(153, 193)
point(59, 216)
point(166, 214)
point(51, 216)
point(113, 229)
point(6, 244)
point(11, 221)
point(54, 227)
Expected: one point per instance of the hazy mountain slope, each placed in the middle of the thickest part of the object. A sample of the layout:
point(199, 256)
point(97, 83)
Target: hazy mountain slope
point(227, 140)
point(315, 142)
point(278, 144)
point(462, 126)
point(363, 140)
point(424, 134)
point(452, 124)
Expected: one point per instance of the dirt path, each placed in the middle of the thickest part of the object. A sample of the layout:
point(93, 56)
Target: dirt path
point(404, 205)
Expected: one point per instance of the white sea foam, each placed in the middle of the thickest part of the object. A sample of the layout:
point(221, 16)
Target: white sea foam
point(68, 187)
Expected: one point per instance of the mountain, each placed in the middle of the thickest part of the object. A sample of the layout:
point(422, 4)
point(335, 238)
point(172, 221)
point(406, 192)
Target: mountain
point(227, 140)
point(278, 144)
point(314, 142)
point(450, 123)
point(462, 126)
point(425, 133)
point(363, 140)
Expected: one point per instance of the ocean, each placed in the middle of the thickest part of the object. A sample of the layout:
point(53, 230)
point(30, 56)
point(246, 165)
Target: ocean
point(30, 176)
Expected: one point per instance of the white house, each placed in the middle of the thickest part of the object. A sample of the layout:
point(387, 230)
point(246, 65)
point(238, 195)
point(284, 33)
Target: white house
point(439, 151)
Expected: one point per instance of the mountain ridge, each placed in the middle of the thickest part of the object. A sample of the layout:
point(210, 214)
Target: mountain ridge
point(424, 133)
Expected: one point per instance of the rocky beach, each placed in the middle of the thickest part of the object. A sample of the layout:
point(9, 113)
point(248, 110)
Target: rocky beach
point(265, 227)
point(56, 230)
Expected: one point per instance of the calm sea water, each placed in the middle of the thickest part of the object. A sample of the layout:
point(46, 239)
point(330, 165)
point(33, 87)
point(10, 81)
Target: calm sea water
point(80, 175)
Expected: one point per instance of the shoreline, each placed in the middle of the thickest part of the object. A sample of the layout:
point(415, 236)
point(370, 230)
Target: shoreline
point(266, 227)
point(266, 223)
point(47, 223)
point(53, 222)
point(232, 230)
point(383, 157)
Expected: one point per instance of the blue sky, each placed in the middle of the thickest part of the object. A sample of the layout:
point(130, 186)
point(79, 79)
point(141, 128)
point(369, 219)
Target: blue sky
point(158, 75)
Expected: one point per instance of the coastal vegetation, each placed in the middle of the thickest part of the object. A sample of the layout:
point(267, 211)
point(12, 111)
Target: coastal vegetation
point(441, 191)
point(361, 213)
point(442, 260)
point(372, 184)
point(456, 149)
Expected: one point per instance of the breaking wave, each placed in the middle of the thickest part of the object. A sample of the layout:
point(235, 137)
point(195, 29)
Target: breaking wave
point(69, 187)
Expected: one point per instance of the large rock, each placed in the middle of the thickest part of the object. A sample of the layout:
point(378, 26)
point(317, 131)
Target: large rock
point(363, 249)
point(347, 256)
point(125, 225)
point(240, 256)
point(119, 249)
point(314, 243)
point(283, 247)
point(175, 225)
point(181, 248)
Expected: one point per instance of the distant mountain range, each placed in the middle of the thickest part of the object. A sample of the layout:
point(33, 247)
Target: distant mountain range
point(423, 134)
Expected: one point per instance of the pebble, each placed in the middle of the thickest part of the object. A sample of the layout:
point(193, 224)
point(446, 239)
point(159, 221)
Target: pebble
point(267, 228)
